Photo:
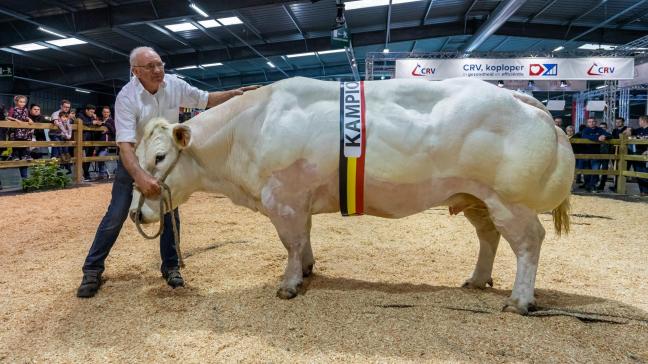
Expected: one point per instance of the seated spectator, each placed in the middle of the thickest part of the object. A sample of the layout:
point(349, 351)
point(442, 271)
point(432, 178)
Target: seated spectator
point(595, 134)
point(640, 133)
point(558, 121)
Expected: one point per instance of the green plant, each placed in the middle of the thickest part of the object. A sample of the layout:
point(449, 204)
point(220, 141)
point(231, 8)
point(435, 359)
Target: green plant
point(46, 175)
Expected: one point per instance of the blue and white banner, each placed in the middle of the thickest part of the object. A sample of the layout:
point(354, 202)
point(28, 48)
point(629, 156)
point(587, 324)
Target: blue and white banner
point(518, 68)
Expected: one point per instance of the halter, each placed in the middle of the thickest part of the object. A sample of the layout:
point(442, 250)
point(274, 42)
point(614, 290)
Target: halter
point(165, 201)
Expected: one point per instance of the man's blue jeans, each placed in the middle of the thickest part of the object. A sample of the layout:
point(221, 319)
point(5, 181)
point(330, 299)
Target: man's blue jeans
point(591, 179)
point(111, 224)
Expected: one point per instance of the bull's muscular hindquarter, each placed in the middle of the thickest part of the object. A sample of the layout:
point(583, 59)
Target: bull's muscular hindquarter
point(487, 152)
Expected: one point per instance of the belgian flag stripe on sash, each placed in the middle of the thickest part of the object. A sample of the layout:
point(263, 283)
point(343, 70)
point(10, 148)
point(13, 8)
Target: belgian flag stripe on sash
point(352, 148)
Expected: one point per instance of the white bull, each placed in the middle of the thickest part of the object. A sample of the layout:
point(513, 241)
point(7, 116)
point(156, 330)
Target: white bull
point(489, 152)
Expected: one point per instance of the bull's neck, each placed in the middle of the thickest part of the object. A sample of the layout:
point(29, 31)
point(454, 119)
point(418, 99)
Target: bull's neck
point(213, 136)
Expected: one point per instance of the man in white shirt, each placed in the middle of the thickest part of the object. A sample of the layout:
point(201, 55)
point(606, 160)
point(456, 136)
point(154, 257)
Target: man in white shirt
point(149, 94)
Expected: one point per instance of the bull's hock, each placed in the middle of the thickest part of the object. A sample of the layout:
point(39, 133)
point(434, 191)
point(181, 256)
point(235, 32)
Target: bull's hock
point(490, 153)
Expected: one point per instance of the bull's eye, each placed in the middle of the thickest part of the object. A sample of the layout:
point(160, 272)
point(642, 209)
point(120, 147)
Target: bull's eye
point(159, 158)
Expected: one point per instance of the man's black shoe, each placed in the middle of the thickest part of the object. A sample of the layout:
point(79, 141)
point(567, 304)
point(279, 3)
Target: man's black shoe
point(173, 278)
point(89, 284)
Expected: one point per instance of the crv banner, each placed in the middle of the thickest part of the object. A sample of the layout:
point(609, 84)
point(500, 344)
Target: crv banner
point(518, 68)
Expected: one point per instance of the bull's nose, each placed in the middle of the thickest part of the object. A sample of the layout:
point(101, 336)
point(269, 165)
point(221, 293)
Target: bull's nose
point(135, 215)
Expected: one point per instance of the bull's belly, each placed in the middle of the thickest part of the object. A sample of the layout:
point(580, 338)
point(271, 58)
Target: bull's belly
point(397, 200)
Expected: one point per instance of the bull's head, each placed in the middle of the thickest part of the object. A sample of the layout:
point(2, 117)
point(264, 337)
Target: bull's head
point(159, 153)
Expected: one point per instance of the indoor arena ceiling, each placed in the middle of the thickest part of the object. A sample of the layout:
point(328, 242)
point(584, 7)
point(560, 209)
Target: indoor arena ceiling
point(258, 41)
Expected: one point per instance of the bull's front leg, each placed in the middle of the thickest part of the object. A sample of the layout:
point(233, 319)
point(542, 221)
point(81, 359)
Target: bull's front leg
point(289, 212)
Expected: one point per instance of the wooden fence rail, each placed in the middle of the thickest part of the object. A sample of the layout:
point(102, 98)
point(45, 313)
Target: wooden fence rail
point(619, 166)
point(78, 143)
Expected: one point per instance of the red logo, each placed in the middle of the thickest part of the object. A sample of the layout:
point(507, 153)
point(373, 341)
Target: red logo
point(536, 69)
point(595, 70)
point(419, 71)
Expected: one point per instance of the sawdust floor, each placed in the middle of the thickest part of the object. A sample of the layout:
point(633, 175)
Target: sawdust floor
point(383, 290)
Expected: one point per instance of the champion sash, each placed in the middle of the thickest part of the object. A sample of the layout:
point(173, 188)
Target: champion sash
point(352, 148)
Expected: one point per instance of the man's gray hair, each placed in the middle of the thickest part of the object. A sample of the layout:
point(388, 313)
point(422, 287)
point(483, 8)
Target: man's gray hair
point(136, 51)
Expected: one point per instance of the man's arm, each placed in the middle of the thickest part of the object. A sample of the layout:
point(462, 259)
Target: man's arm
point(219, 97)
point(146, 183)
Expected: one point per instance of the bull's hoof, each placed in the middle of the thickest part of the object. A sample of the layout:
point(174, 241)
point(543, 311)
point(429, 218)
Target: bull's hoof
point(287, 293)
point(474, 284)
point(307, 271)
point(514, 306)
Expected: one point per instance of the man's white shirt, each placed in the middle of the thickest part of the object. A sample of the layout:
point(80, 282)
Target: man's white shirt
point(135, 106)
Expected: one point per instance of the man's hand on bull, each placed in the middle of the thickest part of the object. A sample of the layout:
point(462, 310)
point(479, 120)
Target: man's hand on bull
point(148, 185)
point(217, 98)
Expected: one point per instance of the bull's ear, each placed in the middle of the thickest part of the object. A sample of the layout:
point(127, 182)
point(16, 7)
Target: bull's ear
point(182, 135)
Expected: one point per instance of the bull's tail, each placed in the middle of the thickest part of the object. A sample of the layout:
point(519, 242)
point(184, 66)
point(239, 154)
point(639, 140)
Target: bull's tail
point(561, 217)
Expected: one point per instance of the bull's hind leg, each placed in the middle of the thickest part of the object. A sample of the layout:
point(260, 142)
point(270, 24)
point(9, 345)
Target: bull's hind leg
point(521, 227)
point(488, 241)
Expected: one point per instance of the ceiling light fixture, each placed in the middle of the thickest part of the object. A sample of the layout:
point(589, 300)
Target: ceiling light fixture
point(28, 47)
point(301, 55)
point(65, 42)
point(211, 23)
point(331, 51)
point(51, 32)
point(361, 4)
point(198, 10)
point(232, 20)
point(180, 27)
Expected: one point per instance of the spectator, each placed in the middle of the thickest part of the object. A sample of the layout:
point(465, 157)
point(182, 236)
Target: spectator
point(88, 118)
point(619, 128)
point(65, 106)
point(39, 134)
point(595, 134)
point(605, 163)
point(62, 134)
point(570, 131)
point(578, 149)
point(20, 114)
point(106, 136)
point(640, 149)
point(558, 121)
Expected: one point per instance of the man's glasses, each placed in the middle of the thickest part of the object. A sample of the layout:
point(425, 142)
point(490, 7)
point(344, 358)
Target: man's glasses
point(153, 66)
